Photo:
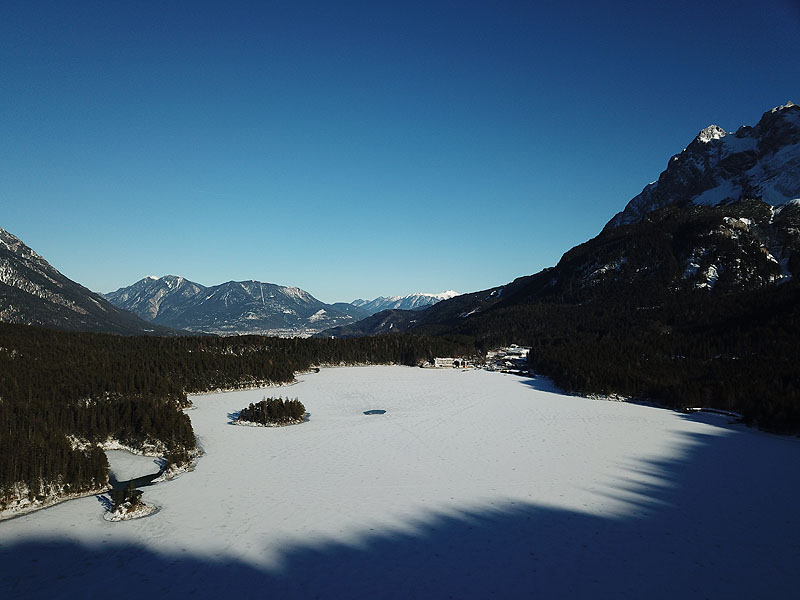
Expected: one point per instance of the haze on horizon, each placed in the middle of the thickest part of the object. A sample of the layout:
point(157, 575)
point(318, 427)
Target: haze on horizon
point(361, 150)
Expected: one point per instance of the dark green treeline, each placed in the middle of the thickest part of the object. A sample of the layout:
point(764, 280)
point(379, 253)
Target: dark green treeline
point(738, 352)
point(274, 411)
point(60, 386)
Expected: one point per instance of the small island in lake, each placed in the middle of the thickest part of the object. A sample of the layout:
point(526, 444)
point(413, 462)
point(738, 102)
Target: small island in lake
point(272, 412)
point(126, 504)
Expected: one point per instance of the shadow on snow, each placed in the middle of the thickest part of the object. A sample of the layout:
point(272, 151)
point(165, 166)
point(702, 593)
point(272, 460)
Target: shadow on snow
point(720, 521)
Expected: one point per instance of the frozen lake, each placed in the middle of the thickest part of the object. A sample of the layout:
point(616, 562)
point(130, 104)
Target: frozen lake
point(124, 465)
point(471, 485)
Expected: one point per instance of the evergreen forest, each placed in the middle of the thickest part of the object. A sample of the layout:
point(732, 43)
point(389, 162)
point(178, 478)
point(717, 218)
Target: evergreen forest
point(737, 352)
point(273, 411)
point(64, 393)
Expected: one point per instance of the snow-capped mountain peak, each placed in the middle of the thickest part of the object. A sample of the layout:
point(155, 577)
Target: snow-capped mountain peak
point(415, 301)
point(712, 132)
point(788, 104)
point(441, 295)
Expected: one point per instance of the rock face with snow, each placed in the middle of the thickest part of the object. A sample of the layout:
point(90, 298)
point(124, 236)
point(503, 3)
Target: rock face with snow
point(717, 168)
point(724, 217)
point(32, 292)
point(417, 301)
point(726, 211)
point(154, 297)
point(727, 249)
point(231, 308)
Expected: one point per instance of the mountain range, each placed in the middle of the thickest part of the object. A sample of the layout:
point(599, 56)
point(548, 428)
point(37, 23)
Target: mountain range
point(248, 307)
point(416, 301)
point(689, 297)
point(722, 218)
point(33, 292)
point(234, 307)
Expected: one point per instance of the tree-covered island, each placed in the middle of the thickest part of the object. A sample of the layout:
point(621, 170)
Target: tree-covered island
point(272, 412)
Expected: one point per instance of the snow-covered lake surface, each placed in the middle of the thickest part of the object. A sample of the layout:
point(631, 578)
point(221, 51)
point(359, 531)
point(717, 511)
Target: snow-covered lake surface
point(471, 485)
point(124, 465)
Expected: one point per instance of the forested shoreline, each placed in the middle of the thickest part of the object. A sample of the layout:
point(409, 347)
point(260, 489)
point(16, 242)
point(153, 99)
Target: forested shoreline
point(737, 352)
point(64, 393)
point(271, 412)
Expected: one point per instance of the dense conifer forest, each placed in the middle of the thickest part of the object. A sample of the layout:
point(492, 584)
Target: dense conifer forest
point(738, 352)
point(273, 411)
point(63, 393)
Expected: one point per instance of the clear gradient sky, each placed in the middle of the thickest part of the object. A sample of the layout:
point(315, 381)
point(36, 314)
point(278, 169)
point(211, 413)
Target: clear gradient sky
point(357, 149)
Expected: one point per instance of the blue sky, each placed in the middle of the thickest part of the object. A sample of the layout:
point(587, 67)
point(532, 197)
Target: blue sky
point(357, 149)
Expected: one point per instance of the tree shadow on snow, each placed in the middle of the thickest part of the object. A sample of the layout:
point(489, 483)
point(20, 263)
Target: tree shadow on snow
point(540, 383)
point(719, 520)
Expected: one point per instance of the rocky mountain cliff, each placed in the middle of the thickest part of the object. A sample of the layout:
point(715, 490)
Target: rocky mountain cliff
point(717, 168)
point(235, 307)
point(32, 292)
point(724, 216)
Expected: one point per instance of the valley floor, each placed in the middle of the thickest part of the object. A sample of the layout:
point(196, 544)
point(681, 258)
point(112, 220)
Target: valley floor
point(471, 485)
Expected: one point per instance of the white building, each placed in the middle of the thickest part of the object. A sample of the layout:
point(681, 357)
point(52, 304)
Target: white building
point(447, 363)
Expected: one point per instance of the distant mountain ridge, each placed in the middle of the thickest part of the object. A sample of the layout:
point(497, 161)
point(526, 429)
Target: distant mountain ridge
point(32, 292)
point(416, 301)
point(235, 307)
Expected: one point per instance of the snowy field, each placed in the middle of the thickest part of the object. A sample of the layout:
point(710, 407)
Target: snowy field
point(472, 485)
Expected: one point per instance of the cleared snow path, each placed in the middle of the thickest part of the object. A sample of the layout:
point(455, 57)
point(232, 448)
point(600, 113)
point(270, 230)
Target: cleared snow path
point(471, 485)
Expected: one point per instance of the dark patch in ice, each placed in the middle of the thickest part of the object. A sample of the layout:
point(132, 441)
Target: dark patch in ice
point(374, 411)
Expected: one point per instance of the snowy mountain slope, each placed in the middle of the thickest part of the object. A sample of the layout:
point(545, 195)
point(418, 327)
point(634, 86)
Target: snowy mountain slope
point(761, 162)
point(386, 321)
point(231, 308)
point(726, 211)
point(416, 301)
point(32, 292)
point(723, 218)
point(156, 297)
